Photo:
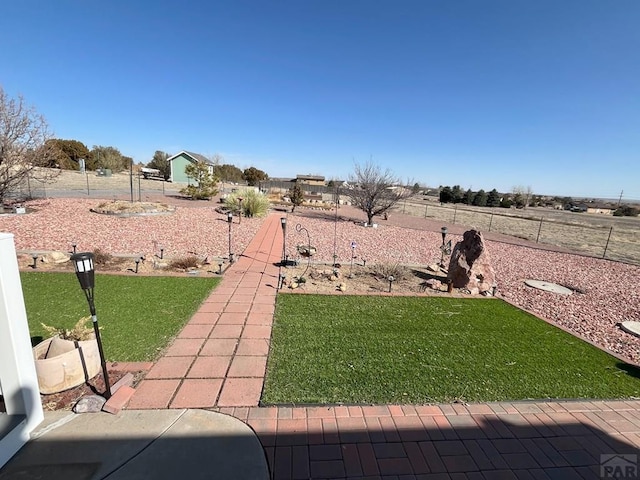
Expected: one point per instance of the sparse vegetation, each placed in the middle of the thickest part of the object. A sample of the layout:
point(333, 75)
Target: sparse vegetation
point(78, 333)
point(395, 270)
point(101, 258)
point(184, 263)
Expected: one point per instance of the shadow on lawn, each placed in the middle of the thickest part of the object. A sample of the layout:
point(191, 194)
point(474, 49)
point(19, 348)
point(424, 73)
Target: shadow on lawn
point(631, 370)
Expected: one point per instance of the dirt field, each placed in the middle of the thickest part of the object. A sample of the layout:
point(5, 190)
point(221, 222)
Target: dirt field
point(602, 236)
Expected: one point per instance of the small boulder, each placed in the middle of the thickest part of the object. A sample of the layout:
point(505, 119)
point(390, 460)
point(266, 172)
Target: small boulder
point(55, 257)
point(89, 404)
point(434, 284)
point(470, 266)
point(342, 287)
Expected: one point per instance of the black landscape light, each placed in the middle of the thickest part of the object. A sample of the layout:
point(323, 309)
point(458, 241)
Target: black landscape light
point(161, 253)
point(391, 280)
point(283, 224)
point(230, 221)
point(220, 267)
point(83, 265)
point(240, 209)
point(35, 261)
point(353, 255)
point(74, 245)
point(137, 264)
point(446, 249)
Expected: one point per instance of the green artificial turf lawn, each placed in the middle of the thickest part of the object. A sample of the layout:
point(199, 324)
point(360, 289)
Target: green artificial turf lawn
point(137, 315)
point(356, 349)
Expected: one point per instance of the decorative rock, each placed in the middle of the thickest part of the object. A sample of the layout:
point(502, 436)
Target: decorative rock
point(433, 283)
point(89, 404)
point(434, 267)
point(294, 285)
point(55, 257)
point(342, 287)
point(548, 287)
point(470, 265)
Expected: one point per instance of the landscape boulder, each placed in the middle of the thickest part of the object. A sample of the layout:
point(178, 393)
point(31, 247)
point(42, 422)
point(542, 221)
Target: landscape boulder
point(470, 265)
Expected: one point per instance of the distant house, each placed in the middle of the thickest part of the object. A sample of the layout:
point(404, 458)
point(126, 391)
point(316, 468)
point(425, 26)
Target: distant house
point(310, 180)
point(600, 208)
point(179, 161)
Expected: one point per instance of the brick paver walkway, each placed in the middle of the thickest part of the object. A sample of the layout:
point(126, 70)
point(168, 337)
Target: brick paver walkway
point(218, 361)
point(220, 356)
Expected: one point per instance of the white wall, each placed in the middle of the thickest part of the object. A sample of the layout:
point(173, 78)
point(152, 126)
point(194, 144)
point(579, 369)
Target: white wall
point(17, 369)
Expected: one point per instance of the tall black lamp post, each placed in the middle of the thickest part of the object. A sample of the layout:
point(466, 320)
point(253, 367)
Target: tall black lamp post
point(230, 221)
point(283, 223)
point(83, 265)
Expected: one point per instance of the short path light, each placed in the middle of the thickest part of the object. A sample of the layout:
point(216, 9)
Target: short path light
point(283, 224)
point(35, 261)
point(74, 245)
point(391, 280)
point(230, 221)
point(137, 264)
point(83, 265)
point(161, 253)
point(445, 248)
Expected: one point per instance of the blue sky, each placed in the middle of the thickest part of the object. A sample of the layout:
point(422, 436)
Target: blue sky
point(484, 94)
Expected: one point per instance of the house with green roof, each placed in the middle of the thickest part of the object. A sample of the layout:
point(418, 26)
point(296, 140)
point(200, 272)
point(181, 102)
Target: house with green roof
point(179, 161)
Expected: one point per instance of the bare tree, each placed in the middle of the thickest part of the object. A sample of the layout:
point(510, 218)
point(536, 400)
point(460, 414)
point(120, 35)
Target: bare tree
point(23, 148)
point(522, 195)
point(374, 191)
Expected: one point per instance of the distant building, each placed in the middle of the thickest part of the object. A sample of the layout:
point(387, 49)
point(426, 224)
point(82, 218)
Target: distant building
point(310, 180)
point(594, 207)
point(600, 208)
point(179, 161)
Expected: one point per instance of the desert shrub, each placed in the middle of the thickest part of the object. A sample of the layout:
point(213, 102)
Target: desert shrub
point(254, 203)
point(184, 263)
point(79, 332)
point(385, 270)
point(626, 211)
point(101, 257)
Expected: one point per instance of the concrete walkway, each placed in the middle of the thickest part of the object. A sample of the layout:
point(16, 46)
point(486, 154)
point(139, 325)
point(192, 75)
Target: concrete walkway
point(157, 444)
point(218, 362)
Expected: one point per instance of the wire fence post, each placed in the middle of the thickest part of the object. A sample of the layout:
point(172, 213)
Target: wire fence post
point(426, 207)
point(455, 212)
point(604, 254)
point(490, 221)
point(539, 228)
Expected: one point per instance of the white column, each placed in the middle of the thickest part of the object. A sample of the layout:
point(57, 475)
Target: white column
point(17, 369)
